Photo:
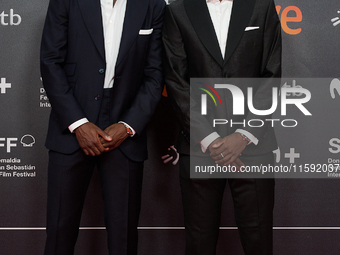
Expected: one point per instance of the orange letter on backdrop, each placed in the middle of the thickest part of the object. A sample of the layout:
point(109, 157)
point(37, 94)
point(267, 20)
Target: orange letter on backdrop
point(285, 18)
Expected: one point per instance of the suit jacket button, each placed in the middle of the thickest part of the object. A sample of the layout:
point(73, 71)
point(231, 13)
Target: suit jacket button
point(101, 71)
point(97, 97)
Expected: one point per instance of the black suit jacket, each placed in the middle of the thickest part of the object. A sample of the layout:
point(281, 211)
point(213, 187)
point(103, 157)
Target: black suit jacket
point(192, 51)
point(73, 69)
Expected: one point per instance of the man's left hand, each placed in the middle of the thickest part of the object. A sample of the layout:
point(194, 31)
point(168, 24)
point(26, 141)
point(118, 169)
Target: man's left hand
point(118, 133)
point(226, 150)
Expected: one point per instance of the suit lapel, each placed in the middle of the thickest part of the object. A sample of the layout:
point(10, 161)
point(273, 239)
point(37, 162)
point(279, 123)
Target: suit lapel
point(199, 17)
point(134, 17)
point(240, 16)
point(92, 16)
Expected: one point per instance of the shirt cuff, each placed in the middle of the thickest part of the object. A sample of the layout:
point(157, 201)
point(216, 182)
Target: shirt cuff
point(252, 138)
point(133, 131)
point(208, 140)
point(77, 124)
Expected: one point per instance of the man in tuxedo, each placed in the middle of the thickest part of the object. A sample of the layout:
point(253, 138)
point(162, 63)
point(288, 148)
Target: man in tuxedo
point(223, 39)
point(101, 64)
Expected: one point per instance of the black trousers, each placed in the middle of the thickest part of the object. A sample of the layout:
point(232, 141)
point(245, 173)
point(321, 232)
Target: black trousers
point(253, 206)
point(68, 180)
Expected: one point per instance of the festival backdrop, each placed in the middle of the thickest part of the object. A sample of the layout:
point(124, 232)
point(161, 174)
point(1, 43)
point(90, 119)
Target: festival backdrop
point(307, 210)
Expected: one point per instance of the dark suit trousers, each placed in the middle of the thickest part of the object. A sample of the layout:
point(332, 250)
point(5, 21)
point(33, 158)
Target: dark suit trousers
point(68, 179)
point(253, 207)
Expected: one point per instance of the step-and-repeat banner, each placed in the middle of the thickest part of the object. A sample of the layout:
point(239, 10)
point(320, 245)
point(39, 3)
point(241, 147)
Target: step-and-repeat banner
point(306, 216)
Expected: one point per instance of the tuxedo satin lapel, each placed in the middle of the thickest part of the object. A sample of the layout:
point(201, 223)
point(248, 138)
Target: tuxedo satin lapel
point(199, 17)
point(240, 16)
point(134, 17)
point(92, 16)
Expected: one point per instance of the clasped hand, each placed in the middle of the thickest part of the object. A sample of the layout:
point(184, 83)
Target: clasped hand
point(94, 141)
point(226, 151)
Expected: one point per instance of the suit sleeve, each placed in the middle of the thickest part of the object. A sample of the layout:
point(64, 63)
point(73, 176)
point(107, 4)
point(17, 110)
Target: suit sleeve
point(149, 94)
point(53, 53)
point(177, 80)
point(270, 70)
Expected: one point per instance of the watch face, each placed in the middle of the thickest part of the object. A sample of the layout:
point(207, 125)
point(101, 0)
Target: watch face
point(129, 131)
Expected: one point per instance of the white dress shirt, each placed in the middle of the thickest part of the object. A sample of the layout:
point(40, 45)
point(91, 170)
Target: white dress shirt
point(113, 20)
point(220, 13)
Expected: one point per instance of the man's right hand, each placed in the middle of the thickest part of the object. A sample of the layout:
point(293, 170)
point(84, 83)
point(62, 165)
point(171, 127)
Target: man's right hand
point(88, 136)
point(226, 151)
